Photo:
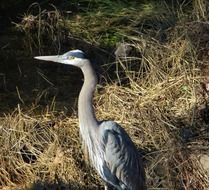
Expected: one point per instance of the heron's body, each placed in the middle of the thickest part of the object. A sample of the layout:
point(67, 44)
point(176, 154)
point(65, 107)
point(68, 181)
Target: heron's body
point(110, 149)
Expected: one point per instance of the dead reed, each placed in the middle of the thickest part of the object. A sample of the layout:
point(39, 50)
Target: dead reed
point(163, 105)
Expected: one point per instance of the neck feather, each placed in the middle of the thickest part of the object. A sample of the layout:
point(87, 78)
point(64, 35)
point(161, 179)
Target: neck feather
point(87, 118)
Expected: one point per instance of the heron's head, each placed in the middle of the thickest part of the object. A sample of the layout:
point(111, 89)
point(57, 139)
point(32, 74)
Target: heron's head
point(75, 57)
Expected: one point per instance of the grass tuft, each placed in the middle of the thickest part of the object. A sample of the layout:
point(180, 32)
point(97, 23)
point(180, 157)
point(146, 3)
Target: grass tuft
point(159, 93)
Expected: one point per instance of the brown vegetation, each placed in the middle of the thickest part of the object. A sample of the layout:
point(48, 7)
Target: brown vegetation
point(160, 96)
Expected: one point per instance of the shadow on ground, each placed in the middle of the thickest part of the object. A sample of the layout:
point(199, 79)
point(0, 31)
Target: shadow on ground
point(60, 185)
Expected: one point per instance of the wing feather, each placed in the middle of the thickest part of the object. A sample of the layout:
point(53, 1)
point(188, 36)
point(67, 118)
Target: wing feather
point(122, 160)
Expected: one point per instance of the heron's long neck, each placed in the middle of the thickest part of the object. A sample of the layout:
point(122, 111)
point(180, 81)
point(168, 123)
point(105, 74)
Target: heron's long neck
point(87, 118)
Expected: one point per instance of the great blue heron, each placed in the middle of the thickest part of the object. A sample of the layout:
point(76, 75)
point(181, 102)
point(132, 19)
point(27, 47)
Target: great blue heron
point(110, 149)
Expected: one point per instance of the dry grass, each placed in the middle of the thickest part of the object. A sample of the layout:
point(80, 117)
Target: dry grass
point(155, 107)
point(42, 152)
point(41, 27)
point(162, 106)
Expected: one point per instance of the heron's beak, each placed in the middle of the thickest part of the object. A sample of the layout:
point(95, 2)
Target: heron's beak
point(54, 58)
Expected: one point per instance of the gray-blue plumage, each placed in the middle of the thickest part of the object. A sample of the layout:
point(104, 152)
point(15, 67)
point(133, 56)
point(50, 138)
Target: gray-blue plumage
point(122, 160)
point(110, 149)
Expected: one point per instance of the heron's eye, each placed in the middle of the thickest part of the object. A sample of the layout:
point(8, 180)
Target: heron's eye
point(71, 57)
